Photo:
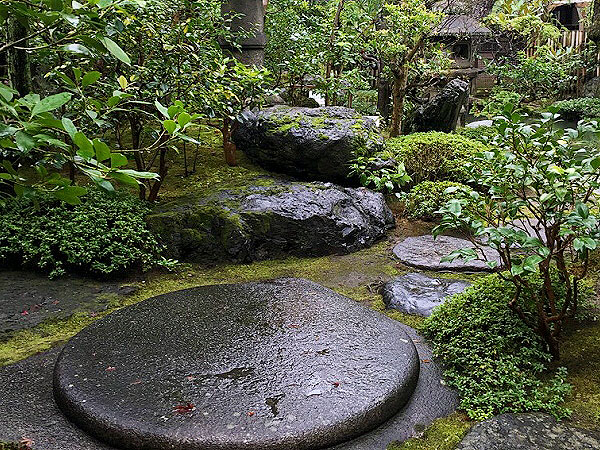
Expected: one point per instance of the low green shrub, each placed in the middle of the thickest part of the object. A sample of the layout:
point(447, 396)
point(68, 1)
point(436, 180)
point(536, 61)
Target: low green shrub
point(483, 134)
point(427, 197)
point(578, 108)
point(496, 362)
point(433, 156)
point(495, 103)
point(105, 234)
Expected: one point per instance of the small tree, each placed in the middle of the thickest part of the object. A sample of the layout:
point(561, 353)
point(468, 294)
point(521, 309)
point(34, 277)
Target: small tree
point(406, 25)
point(541, 184)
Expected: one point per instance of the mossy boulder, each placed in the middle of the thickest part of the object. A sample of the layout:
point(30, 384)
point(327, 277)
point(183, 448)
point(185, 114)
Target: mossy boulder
point(307, 143)
point(271, 219)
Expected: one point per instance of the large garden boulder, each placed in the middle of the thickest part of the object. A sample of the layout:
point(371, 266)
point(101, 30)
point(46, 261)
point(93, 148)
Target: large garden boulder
point(307, 143)
point(270, 219)
point(592, 88)
point(442, 111)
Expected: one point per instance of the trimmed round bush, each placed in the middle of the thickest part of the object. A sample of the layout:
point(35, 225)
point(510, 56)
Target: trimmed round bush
point(433, 156)
point(578, 108)
point(427, 197)
point(105, 234)
point(481, 134)
point(496, 362)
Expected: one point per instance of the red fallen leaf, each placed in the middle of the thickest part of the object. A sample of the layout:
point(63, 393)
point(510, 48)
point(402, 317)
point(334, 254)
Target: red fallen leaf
point(110, 369)
point(426, 360)
point(336, 383)
point(190, 378)
point(293, 325)
point(26, 443)
point(93, 314)
point(55, 302)
point(250, 413)
point(184, 408)
point(25, 312)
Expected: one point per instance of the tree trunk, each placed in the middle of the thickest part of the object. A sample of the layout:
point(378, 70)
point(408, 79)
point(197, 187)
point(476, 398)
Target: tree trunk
point(136, 133)
point(398, 94)
point(594, 31)
point(228, 146)
point(162, 172)
point(329, 68)
point(384, 93)
point(19, 69)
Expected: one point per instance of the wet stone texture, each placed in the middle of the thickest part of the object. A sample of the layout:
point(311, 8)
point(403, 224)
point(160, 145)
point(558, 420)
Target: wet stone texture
point(425, 252)
point(27, 299)
point(528, 432)
point(418, 294)
point(282, 364)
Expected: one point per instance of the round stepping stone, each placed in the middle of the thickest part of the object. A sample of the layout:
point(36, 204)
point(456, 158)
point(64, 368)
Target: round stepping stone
point(418, 294)
point(425, 252)
point(273, 365)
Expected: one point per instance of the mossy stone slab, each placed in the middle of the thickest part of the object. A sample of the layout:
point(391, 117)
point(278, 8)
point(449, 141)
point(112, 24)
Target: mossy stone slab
point(271, 365)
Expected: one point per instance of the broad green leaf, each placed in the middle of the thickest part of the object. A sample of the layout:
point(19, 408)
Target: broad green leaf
point(117, 160)
point(6, 93)
point(162, 109)
point(115, 50)
point(136, 174)
point(90, 78)
point(102, 150)
point(86, 148)
point(69, 126)
point(124, 178)
point(122, 82)
point(170, 126)
point(50, 103)
point(183, 119)
point(70, 194)
point(24, 141)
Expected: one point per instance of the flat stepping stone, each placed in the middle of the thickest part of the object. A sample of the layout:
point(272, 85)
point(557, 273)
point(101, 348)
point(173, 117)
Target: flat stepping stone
point(282, 364)
point(425, 252)
point(532, 431)
point(418, 294)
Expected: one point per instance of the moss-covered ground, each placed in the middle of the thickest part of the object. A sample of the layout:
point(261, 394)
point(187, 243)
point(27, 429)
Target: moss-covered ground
point(357, 275)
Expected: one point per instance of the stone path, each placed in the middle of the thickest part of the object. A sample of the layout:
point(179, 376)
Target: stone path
point(533, 431)
point(418, 294)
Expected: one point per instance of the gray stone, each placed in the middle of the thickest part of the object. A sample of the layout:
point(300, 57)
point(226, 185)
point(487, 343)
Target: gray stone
point(442, 111)
point(272, 365)
point(415, 293)
point(274, 220)
point(592, 88)
point(27, 299)
point(534, 431)
point(480, 123)
point(425, 252)
point(247, 16)
point(307, 143)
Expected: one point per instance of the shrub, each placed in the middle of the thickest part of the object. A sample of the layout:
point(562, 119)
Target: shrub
point(105, 234)
point(427, 197)
point(483, 134)
point(578, 108)
point(496, 362)
point(496, 103)
point(433, 156)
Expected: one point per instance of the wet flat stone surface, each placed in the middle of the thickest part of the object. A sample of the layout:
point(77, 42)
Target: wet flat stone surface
point(415, 293)
point(528, 432)
point(282, 364)
point(425, 252)
point(27, 299)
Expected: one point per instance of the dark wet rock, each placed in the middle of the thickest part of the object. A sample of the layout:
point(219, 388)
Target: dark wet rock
point(425, 252)
point(528, 432)
point(592, 88)
point(307, 143)
point(272, 365)
point(27, 299)
point(28, 410)
point(271, 220)
point(415, 293)
point(442, 111)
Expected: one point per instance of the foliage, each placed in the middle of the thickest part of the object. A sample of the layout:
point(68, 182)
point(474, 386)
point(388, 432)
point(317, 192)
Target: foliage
point(105, 234)
point(578, 108)
point(433, 156)
point(491, 357)
point(496, 103)
point(384, 176)
point(483, 134)
point(539, 214)
point(426, 198)
point(548, 73)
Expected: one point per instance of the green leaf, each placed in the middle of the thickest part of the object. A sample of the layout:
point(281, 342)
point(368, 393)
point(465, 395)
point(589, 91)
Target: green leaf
point(124, 178)
point(50, 103)
point(117, 160)
point(6, 93)
point(170, 126)
point(122, 82)
point(115, 50)
point(102, 150)
point(69, 126)
point(162, 109)
point(136, 174)
point(86, 148)
point(70, 194)
point(24, 141)
point(183, 119)
point(90, 78)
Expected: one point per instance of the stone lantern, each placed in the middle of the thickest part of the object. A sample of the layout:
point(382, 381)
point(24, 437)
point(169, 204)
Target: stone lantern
point(251, 18)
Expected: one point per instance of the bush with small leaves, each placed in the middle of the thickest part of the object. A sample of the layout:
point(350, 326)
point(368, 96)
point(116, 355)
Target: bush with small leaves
point(578, 108)
point(426, 198)
point(105, 234)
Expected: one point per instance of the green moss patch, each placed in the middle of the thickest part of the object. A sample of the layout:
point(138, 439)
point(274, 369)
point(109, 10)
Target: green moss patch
point(443, 434)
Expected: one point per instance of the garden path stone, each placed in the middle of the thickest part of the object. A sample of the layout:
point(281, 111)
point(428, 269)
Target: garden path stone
point(426, 253)
point(532, 431)
point(274, 218)
point(307, 143)
point(415, 293)
point(27, 299)
point(271, 365)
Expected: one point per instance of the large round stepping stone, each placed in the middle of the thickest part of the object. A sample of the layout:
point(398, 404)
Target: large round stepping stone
point(274, 365)
point(425, 252)
point(415, 293)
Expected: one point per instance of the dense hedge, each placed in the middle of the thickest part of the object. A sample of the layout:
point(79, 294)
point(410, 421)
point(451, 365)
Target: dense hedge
point(481, 134)
point(579, 108)
point(433, 156)
point(495, 361)
point(105, 234)
point(427, 197)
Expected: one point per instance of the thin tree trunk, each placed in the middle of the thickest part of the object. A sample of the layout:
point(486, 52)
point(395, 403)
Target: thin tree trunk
point(398, 94)
point(384, 93)
point(228, 146)
point(19, 69)
point(329, 68)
